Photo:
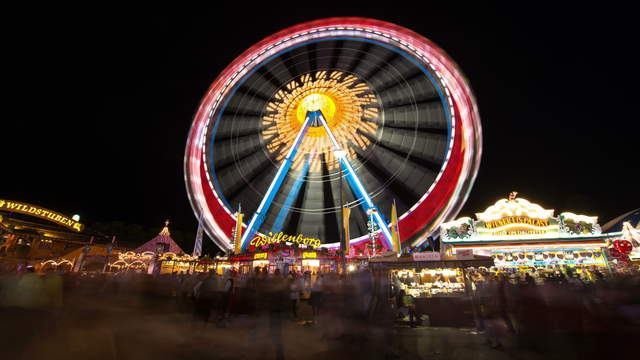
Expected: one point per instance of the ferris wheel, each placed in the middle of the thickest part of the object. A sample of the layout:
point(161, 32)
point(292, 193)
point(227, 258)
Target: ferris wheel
point(336, 112)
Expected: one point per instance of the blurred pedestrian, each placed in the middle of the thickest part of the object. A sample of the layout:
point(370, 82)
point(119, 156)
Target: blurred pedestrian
point(317, 294)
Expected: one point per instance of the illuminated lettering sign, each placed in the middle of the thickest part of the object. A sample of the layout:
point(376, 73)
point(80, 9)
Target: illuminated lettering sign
point(41, 213)
point(518, 225)
point(260, 256)
point(260, 240)
point(309, 255)
point(516, 220)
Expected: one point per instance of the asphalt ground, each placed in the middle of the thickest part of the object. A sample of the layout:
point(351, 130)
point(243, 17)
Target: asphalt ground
point(90, 328)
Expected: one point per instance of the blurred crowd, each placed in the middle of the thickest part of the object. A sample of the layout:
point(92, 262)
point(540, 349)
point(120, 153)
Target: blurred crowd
point(543, 309)
point(537, 311)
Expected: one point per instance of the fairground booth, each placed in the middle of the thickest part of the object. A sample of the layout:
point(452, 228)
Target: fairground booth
point(162, 255)
point(522, 236)
point(299, 255)
point(437, 284)
point(37, 236)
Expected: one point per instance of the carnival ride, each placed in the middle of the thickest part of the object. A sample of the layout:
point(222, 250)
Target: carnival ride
point(336, 112)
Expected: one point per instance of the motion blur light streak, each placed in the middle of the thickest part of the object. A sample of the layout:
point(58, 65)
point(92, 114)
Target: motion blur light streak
point(416, 137)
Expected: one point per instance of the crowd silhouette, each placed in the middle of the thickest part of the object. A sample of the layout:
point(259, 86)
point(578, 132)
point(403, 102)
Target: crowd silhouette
point(542, 314)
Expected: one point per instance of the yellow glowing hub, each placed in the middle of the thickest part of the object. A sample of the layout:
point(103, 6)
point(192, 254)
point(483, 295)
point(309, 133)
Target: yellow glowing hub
point(345, 102)
point(317, 102)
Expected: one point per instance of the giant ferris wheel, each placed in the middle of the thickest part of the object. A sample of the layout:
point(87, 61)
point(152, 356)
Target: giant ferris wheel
point(336, 112)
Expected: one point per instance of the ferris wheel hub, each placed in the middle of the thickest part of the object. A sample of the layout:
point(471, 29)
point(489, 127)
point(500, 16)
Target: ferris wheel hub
point(317, 102)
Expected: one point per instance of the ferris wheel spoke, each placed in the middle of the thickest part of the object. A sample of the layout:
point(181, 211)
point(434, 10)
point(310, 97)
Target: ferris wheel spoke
point(396, 82)
point(312, 56)
point(242, 132)
point(423, 162)
point(335, 56)
point(381, 65)
point(249, 178)
point(239, 157)
point(237, 111)
point(400, 189)
point(392, 124)
point(411, 102)
point(268, 76)
point(252, 91)
point(364, 50)
point(291, 67)
point(330, 217)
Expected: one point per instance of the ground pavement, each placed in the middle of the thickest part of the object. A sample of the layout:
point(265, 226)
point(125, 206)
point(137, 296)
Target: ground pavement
point(106, 330)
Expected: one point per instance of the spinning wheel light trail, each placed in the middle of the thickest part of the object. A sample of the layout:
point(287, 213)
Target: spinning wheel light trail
point(355, 98)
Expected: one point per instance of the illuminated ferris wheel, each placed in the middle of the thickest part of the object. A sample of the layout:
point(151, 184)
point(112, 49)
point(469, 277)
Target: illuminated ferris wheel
point(336, 112)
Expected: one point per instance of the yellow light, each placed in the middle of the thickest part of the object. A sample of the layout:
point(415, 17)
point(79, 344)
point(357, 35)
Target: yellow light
point(518, 207)
point(316, 102)
point(309, 255)
point(345, 102)
point(521, 225)
point(311, 263)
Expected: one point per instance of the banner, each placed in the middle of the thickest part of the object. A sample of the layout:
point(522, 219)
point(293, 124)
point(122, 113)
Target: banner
point(395, 234)
point(346, 212)
point(237, 234)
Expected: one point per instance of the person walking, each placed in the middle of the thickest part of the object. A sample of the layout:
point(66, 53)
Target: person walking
point(317, 293)
point(295, 287)
point(304, 310)
point(204, 294)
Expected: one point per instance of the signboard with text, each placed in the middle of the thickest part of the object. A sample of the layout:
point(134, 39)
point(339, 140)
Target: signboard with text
point(426, 256)
point(40, 212)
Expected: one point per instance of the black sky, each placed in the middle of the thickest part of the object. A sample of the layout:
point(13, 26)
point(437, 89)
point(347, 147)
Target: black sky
point(100, 101)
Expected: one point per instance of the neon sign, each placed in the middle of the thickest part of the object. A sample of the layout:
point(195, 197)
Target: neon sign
point(260, 240)
point(518, 225)
point(42, 213)
point(516, 220)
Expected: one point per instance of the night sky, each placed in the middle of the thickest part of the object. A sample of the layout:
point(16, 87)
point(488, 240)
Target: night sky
point(100, 102)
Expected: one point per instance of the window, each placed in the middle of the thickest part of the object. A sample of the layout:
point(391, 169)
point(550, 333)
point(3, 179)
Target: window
point(45, 244)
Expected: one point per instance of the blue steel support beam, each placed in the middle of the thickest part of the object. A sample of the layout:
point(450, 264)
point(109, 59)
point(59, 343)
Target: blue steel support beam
point(293, 194)
point(260, 214)
point(367, 204)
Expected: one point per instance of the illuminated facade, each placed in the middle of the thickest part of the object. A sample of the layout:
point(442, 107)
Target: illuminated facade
point(520, 235)
point(34, 234)
point(288, 259)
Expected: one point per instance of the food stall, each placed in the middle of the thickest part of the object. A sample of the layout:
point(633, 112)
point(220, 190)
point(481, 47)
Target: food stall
point(287, 259)
point(437, 284)
point(522, 236)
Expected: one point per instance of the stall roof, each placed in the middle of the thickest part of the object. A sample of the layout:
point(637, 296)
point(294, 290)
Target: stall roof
point(485, 261)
